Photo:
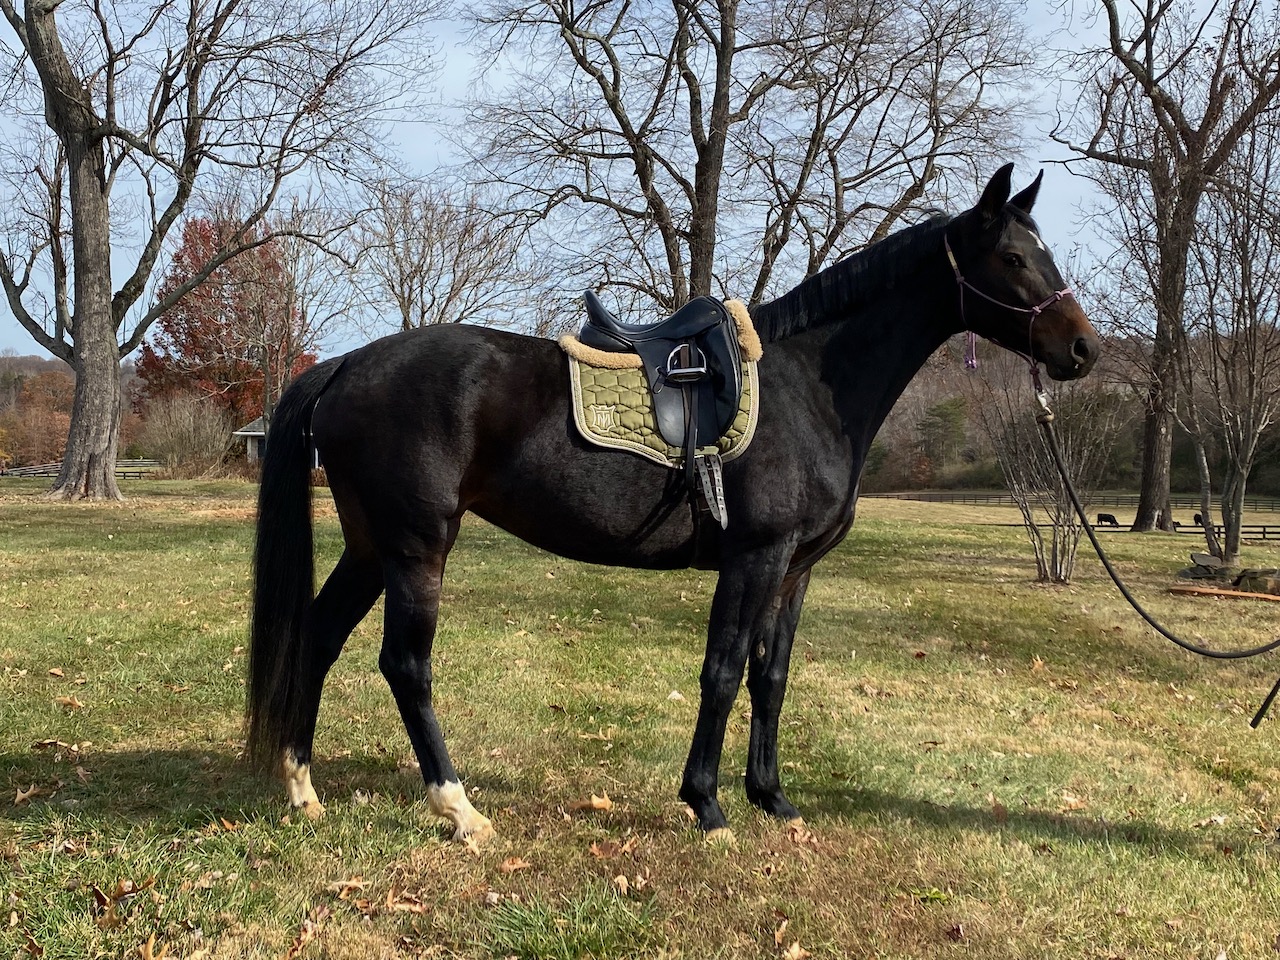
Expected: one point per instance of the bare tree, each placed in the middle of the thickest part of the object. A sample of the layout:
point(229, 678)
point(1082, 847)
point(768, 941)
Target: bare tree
point(1088, 419)
point(1234, 323)
point(439, 257)
point(676, 149)
point(143, 110)
point(1166, 103)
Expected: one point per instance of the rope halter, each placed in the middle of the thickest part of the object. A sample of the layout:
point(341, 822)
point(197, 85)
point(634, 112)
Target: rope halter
point(971, 350)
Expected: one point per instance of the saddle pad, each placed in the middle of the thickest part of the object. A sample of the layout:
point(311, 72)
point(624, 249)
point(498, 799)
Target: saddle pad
point(612, 408)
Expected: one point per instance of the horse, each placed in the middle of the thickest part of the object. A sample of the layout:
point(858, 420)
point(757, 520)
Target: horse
point(416, 429)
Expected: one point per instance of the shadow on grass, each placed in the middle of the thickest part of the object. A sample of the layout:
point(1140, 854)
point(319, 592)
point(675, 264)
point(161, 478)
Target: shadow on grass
point(1030, 824)
point(168, 790)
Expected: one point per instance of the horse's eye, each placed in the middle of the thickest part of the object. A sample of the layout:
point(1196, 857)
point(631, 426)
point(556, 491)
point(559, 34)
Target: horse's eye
point(1014, 260)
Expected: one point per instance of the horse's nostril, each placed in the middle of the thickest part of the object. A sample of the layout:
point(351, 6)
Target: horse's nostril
point(1083, 350)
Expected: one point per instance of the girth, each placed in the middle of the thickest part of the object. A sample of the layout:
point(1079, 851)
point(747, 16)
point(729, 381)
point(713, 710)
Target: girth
point(693, 364)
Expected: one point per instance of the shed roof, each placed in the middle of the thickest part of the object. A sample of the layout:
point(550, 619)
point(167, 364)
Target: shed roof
point(254, 429)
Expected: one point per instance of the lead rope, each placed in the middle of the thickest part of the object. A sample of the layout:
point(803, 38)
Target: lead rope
point(1045, 419)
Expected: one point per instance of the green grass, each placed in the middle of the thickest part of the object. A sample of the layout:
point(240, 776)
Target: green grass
point(988, 767)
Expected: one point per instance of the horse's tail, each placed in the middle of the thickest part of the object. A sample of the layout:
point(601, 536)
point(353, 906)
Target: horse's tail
point(283, 571)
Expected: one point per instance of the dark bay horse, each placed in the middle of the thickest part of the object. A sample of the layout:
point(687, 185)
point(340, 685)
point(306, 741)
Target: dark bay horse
point(416, 429)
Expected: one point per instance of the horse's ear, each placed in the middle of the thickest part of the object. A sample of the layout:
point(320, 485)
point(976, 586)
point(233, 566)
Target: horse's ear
point(1025, 200)
point(996, 195)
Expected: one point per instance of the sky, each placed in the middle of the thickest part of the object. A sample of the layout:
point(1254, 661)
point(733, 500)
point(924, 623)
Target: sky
point(1061, 198)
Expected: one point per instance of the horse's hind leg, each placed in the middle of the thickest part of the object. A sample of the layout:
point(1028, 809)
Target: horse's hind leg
point(412, 607)
point(767, 682)
point(344, 600)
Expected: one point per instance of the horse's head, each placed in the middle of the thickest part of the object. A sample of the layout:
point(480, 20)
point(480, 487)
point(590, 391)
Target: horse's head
point(1009, 287)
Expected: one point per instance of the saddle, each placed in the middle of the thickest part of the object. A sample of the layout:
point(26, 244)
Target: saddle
point(693, 364)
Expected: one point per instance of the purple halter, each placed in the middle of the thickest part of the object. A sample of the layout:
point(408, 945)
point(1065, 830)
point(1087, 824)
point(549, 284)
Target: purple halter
point(971, 351)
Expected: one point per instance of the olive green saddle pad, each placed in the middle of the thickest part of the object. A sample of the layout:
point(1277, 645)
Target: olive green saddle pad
point(612, 408)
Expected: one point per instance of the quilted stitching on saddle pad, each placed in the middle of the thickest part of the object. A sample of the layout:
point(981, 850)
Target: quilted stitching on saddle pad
point(613, 408)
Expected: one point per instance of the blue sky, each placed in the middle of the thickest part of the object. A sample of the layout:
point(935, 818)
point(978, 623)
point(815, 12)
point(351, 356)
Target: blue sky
point(1057, 209)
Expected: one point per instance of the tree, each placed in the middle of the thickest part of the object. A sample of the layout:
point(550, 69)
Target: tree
point(152, 108)
point(435, 256)
point(235, 339)
point(672, 150)
point(1089, 418)
point(36, 425)
point(1233, 349)
point(1166, 103)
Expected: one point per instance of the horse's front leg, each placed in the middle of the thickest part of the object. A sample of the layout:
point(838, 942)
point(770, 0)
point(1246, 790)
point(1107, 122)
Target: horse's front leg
point(770, 659)
point(741, 610)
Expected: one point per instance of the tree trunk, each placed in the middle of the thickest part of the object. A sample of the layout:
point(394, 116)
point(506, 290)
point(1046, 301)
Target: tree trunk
point(1206, 501)
point(1232, 512)
point(1153, 487)
point(89, 463)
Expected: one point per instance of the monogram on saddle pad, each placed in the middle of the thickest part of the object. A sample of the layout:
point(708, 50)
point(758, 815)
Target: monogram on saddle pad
point(699, 367)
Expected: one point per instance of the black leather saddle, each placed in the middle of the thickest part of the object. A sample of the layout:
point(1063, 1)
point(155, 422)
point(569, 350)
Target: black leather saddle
point(694, 367)
point(696, 348)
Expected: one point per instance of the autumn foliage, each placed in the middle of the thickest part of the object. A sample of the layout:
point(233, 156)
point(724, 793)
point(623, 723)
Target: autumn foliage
point(233, 339)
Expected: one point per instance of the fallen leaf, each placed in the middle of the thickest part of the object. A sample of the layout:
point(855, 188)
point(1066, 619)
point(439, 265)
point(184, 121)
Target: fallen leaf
point(595, 803)
point(620, 881)
point(344, 888)
point(228, 825)
point(148, 948)
point(777, 934)
point(56, 672)
point(675, 695)
point(46, 744)
point(32, 947)
point(1037, 665)
point(512, 864)
point(1173, 924)
point(25, 796)
point(611, 849)
point(955, 933)
point(795, 952)
point(404, 902)
point(1070, 803)
point(84, 775)
point(70, 702)
point(1216, 820)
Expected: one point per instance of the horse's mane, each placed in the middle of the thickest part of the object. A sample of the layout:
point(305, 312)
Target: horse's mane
point(859, 278)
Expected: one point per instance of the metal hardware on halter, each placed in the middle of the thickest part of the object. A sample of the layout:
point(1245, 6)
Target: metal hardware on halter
point(709, 472)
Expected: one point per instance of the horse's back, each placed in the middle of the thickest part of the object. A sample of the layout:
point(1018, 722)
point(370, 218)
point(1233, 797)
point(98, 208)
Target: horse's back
point(429, 424)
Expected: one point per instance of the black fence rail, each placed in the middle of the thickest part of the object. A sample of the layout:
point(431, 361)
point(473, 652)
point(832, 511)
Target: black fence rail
point(125, 469)
point(1000, 498)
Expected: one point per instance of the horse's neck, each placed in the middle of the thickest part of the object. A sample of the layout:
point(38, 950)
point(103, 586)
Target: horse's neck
point(867, 359)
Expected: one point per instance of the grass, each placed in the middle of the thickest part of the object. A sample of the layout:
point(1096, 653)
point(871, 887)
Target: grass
point(988, 768)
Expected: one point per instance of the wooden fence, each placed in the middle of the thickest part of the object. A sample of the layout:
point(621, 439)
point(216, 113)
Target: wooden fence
point(125, 469)
point(1001, 498)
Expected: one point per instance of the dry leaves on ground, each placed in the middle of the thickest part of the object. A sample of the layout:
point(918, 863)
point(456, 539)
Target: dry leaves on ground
point(595, 803)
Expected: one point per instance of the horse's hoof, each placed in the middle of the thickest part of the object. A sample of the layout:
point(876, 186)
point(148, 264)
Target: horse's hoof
point(313, 809)
point(721, 837)
point(475, 834)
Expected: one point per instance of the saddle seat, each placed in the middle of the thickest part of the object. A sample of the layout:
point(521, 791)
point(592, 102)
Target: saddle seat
point(692, 361)
point(604, 331)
